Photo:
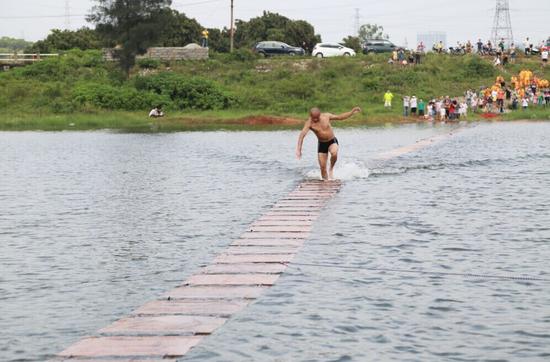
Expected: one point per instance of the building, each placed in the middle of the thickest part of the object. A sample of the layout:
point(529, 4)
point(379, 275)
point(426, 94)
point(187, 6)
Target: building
point(431, 38)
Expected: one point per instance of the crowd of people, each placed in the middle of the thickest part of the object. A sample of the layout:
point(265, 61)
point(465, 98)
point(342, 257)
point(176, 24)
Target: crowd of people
point(502, 53)
point(523, 91)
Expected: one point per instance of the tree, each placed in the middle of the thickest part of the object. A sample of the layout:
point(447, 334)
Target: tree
point(179, 30)
point(371, 31)
point(8, 44)
point(61, 40)
point(218, 40)
point(272, 26)
point(134, 25)
point(353, 42)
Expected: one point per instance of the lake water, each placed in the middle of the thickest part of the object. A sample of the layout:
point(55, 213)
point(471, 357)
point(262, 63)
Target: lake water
point(95, 224)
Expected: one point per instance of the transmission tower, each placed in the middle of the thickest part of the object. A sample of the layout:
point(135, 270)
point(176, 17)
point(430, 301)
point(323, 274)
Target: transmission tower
point(502, 25)
point(357, 23)
point(67, 15)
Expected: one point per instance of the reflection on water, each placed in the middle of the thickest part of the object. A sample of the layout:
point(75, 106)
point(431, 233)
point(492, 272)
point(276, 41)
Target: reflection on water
point(94, 224)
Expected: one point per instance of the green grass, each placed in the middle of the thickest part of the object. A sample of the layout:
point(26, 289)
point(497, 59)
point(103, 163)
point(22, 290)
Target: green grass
point(49, 95)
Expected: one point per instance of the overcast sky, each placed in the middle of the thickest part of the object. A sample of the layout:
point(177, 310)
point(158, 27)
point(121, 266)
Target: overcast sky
point(402, 19)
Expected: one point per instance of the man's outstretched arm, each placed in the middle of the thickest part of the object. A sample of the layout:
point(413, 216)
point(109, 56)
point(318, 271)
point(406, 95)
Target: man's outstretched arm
point(346, 115)
point(303, 134)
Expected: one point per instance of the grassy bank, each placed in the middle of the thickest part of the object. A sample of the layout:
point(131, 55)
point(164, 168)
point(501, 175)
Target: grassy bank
point(80, 91)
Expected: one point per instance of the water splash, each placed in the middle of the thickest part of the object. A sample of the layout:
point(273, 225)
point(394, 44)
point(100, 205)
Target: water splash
point(345, 171)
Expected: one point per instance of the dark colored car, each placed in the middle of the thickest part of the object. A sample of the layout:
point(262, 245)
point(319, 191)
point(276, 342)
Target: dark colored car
point(272, 48)
point(379, 46)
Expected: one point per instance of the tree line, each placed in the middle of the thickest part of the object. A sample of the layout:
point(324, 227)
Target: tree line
point(132, 26)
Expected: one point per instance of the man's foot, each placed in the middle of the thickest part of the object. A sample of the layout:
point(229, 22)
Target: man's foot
point(331, 175)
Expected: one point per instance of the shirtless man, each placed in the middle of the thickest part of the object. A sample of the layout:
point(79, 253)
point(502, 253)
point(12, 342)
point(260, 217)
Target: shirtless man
point(319, 123)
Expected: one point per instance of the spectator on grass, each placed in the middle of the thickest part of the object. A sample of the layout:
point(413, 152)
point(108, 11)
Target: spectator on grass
point(388, 96)
point(479, 46)
point(540, 100)
point(500, 100)
point(417, 56)
point(544, 57)
point(205, 34)
point(463, 110)
point(439, 47)
point(524, 103)
point(414, 105)
point(526, 46)
point(512, 53)
point(501, 45)
point(406, 106)
point(421, 108)
point(547, 98)
point(156, 112)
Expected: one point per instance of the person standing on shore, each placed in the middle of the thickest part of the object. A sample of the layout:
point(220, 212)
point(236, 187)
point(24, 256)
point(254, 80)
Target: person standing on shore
point(319, 123)
point(406, 106)
point(388, 96)
point(421, 108)
point(414, 105)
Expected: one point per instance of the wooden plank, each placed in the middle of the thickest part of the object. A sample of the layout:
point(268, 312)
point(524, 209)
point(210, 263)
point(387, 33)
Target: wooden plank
point(244, 268)
point(166, 324)
point(283, 217)
point(261, 249)
point(192, 307)
point(280, 229)
point(232, 279)
point(274, 235)
point(268, 242)
point(208, 292)
point(292, 223)
point(124, 359)
point(273, 258)
point(166, 346)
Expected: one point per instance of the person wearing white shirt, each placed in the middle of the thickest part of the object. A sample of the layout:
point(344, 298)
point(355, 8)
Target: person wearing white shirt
point(414, 105)
point(156, 113)
point(544, 57)
point(524, 103)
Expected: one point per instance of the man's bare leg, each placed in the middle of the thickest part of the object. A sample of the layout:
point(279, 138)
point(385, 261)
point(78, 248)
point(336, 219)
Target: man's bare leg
point(323, 158)
point(333, 149)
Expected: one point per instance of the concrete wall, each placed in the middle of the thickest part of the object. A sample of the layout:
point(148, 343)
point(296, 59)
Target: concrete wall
point(188, 52)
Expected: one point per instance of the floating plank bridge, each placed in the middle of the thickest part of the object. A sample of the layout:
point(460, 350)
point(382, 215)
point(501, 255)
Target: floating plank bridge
point(169, 327)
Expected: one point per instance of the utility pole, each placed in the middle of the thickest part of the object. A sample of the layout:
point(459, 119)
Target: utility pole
point(232, 30)
point(357, 21)
point(67, 15)
point(502, 25)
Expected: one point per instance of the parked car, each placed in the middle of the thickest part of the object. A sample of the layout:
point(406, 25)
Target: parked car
point(379, 46)
point(272, 48)
point(322, 50)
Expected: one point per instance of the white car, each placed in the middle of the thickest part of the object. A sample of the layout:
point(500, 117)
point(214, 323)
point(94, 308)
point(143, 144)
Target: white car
point(322, 50)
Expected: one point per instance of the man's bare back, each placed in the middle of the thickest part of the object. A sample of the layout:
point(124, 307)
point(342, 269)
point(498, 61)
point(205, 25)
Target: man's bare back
point(319, 123)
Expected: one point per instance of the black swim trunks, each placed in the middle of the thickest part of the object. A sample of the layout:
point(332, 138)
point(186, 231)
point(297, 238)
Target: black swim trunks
point(324, 146)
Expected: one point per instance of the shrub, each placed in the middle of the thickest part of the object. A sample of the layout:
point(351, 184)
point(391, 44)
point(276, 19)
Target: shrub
point(148, 63)
point(186, 93)
point(474, 65)
point(109, 97)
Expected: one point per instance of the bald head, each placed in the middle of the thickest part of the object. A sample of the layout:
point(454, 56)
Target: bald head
point(315, 113)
